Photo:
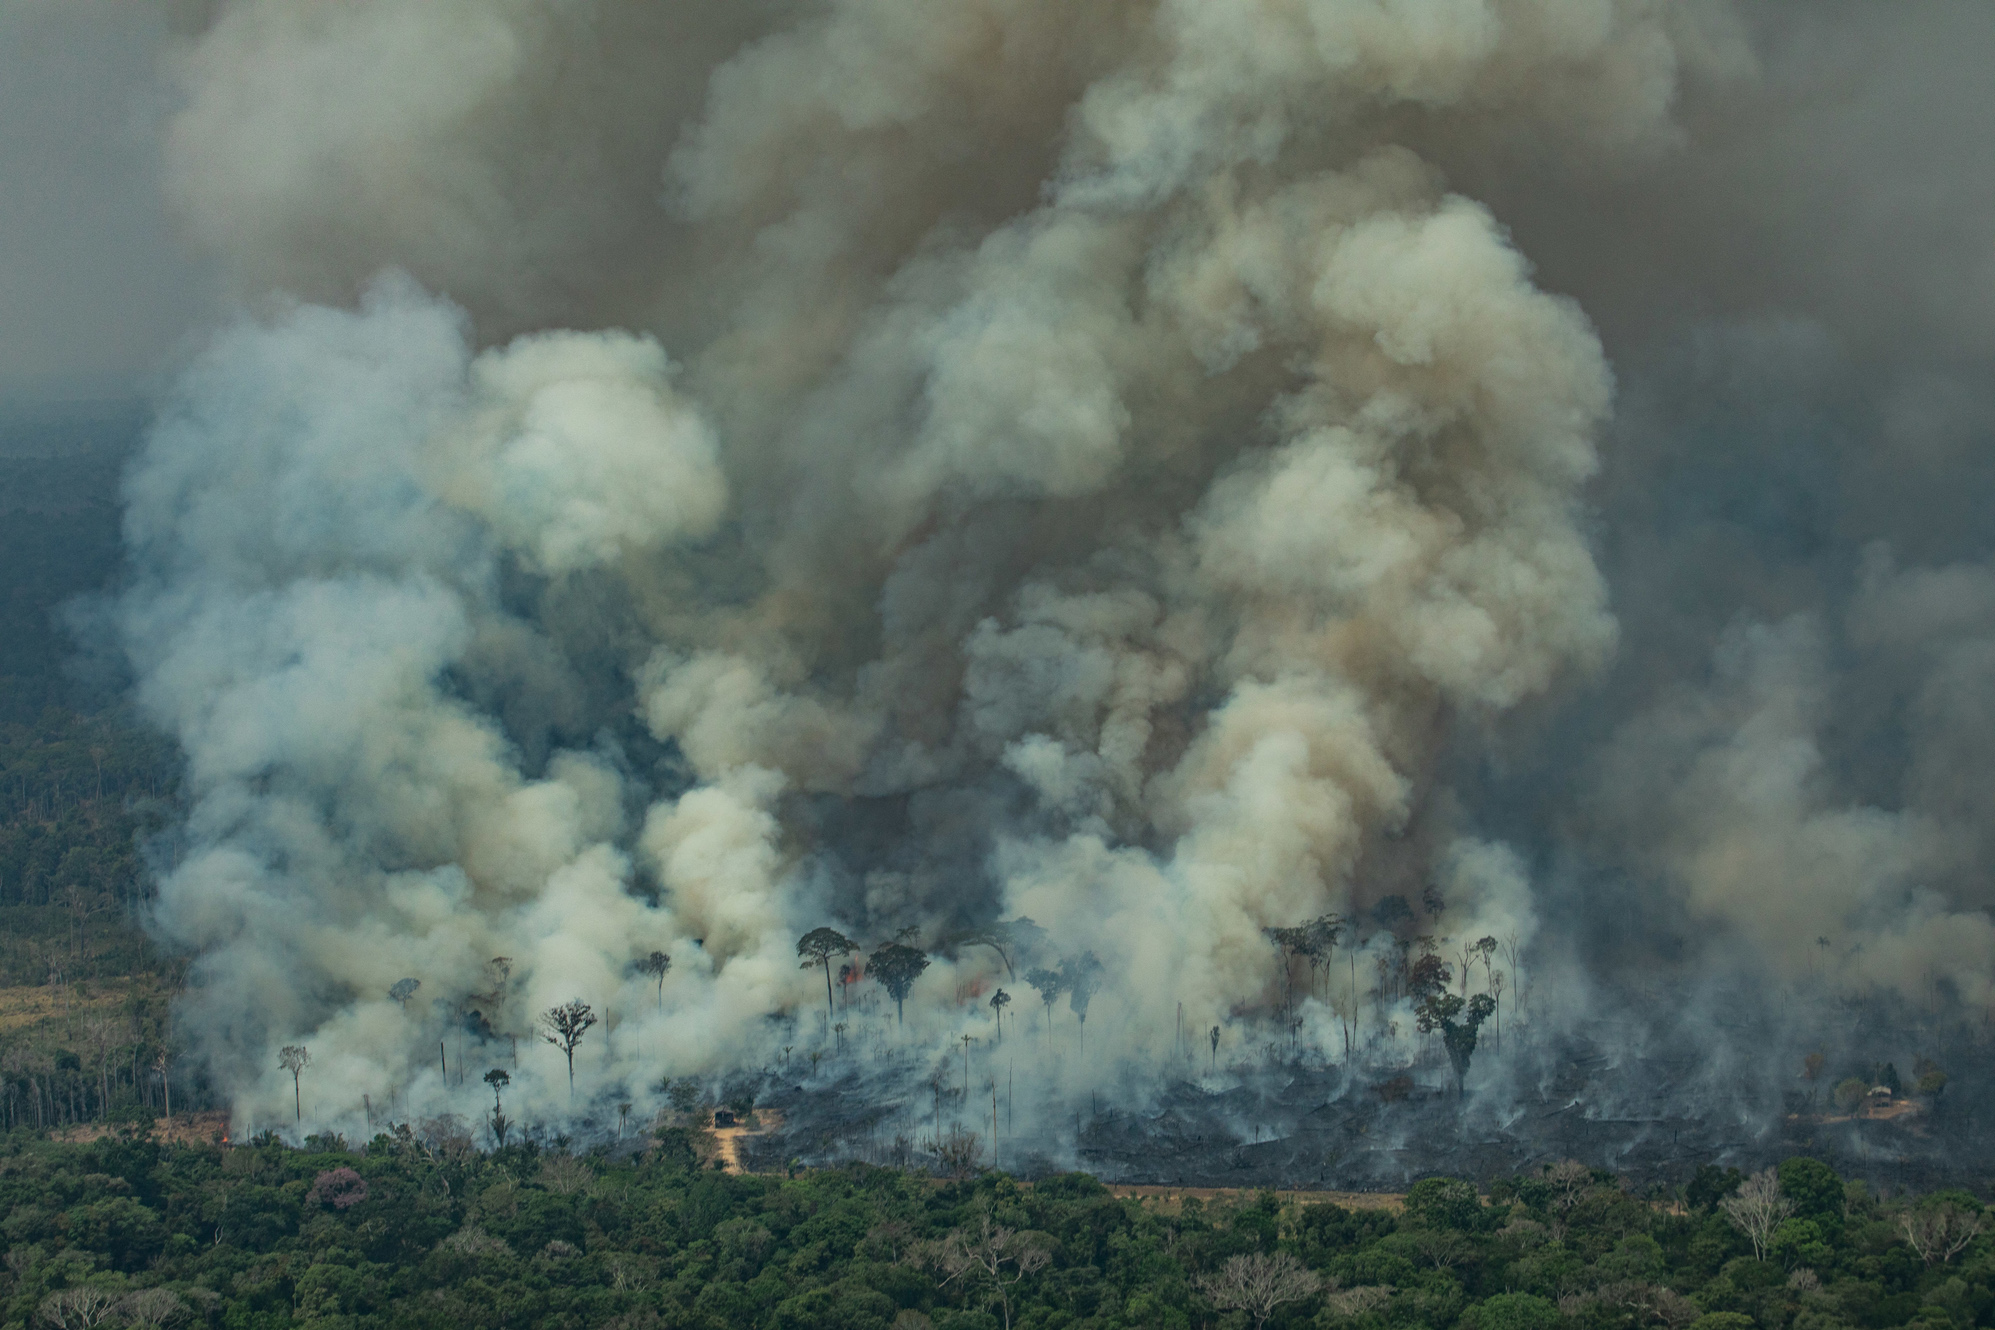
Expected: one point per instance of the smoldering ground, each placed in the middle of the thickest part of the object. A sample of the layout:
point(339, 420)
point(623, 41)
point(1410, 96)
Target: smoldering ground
point(686, 476)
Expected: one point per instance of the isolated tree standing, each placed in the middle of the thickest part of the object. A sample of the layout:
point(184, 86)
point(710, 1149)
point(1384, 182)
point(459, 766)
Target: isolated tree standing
point(498, 1080)
point(897, 965)
point(403, 990)
point(1757, 1208)
point(999, 1001)
point(1049, 986)
point(294, 1058)
point(817, 947)
point(655, 965)
point(564, 1026)
point(1258, 1283)
point(1083, 980)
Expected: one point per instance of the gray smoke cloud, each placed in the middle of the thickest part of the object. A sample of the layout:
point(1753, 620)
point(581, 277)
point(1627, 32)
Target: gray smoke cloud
point(690, 474)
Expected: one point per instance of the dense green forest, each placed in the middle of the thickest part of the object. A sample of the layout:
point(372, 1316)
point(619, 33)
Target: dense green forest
point(420, 1229)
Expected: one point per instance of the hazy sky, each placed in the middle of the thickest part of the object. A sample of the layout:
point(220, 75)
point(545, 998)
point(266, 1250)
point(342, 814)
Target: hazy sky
point(95, 295)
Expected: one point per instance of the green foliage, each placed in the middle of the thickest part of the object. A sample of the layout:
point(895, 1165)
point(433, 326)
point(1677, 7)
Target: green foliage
point(1512, 1311)
point(1444, 1203)
point(392, 1237)
point(1814, 1188)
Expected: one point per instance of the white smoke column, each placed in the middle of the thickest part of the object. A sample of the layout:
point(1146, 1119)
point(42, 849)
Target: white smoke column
point(1102, 439)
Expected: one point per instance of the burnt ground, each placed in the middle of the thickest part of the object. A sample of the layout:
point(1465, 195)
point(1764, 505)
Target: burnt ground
point(1651, 1109)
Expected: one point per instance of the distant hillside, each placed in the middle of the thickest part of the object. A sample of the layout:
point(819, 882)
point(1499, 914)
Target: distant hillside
point(83, 791)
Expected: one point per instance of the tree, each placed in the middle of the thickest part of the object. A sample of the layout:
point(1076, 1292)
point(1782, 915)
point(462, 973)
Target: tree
point(79, 1308)
point(1941, 1230)
point(999, 1001)
point(1458, 1023)
point(897, 965)
point(404, 989)
point(817, 947)
point(1213, 1038)
point(1258, 1283)
point(498, 1080)
point(1757, 1209)
point(1082, 976)
point(1049, 986)
point(294, 1058)
point(1007, 938)
point(151, 1307)
point(1391, 912)
point(979, 1254)
point(564, 1026)
point(655, 965)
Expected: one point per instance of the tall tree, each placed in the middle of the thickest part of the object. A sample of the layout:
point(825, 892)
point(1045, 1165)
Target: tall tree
point(817, 947)
point(403, 990)
point(498, 1080)
point(1082, 974)
point(999, 1001)
point(1049, 985)
point(564, 1026)
point(656, 965)
point(897, 966)
point(294, 1058)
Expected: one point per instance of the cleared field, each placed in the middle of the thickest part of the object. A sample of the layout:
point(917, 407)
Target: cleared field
point(23, 1009)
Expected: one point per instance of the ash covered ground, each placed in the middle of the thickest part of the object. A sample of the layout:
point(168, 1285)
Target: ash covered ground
point(1610, 1094)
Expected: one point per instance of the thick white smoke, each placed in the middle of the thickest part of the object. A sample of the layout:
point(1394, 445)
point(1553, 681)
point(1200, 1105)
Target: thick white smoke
point(886, 465)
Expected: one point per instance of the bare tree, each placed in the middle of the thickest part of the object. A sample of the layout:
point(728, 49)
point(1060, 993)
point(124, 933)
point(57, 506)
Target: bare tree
point(978, 1254)
point(817, 947)
point(151, 1307)
point(294, 1058)
point(1939, 1232)
point(655, 965)
point(79, 1308)
point(1757, 1208)
point(1357, 1301)
point(564, 1026)
point(1257, 1284)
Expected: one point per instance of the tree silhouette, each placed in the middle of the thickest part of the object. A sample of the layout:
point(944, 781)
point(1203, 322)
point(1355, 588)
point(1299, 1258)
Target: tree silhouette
point(1391, 912)
point(999, 1001)
point(1083, 980)
point(897, 965)
point(1456, 1021)
point(817, 947)
point(1049, 986)
point(403, 990)
point(498, 1080)
point(294, 1058)
point(564, 1026)
point(1007, 938)
point(1214, 1038)
point(655, 965)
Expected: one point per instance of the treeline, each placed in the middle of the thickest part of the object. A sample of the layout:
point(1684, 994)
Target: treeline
point(421, 1229)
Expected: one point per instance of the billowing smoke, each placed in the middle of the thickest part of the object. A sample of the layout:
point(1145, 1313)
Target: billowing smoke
point(691, 474)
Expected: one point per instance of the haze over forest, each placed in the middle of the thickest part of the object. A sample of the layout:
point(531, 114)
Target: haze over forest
point(1432, 552)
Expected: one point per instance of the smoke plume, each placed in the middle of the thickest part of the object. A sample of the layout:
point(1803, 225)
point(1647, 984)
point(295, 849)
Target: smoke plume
point(685, 475)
